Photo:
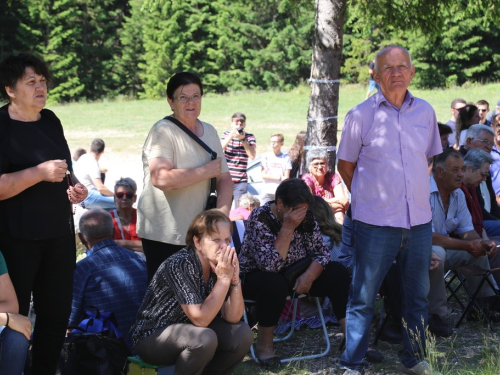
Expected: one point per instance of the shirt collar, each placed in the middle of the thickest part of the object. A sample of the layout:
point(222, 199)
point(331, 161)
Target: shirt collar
point(105, 243)
point(380, 98)
point(495, 148)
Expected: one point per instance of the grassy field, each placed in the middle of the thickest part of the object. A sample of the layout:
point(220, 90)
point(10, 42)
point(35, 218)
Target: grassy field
point(124, 124)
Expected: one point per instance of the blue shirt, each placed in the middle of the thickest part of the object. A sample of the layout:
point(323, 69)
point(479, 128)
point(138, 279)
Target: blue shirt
point(495, 170)
point(390, 185)
point(458, 219)
point(111, 278)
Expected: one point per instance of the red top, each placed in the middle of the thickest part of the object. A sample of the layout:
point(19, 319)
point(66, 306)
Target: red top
point(474, 208)
point(130, 233)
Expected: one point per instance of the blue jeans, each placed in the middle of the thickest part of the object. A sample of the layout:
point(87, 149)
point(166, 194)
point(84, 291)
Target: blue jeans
point(492, 227)
point(97, 200)
point(13, 352)
point(375, 249)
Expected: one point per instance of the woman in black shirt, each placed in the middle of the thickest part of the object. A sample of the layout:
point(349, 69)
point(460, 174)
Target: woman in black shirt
point(36, 221)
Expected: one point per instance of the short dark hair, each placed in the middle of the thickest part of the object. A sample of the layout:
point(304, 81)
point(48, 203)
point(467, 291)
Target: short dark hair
point(444, 129)
point(79, 152)
point(454, 102)
point(205, 223)
point(483, 102)
point(95, 224)
point(440, 160)
point(13, 68)
point(182, 79)
point(294, 191)
point(97, 146)
point(240, 116)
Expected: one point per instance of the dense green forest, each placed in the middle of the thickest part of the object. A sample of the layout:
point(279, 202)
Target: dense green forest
point(104, 48)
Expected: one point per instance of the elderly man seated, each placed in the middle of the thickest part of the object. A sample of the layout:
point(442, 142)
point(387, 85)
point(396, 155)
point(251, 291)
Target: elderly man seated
point(454, 239)
point(111, 278)
point(482, 137)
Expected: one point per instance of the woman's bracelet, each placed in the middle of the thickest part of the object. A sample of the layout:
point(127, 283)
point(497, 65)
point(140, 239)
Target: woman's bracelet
point(237, 284)
point(8, 318)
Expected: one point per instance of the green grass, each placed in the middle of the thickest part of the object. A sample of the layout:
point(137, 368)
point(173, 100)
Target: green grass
point(124, 124)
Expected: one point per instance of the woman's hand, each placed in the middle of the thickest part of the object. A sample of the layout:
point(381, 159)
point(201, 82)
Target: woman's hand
point(77, 193)
point(52, 170)
point(293, 217)
point(336, 204)
point(236, 266)
point(21, 324)
point(224, 268)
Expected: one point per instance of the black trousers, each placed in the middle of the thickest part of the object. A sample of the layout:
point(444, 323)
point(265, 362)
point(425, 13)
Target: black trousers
point(270, 290)
point(156, 253)
point(44, 267)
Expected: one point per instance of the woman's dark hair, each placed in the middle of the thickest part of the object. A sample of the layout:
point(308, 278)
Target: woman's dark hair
point(205, 224)
point(326, 220)
point(297, 150)
point(294, 191)
point(182, 79)
point(13, 68)
point(464, 120)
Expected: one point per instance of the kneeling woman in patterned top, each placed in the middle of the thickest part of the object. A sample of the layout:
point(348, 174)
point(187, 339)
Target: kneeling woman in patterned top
point(191, 312)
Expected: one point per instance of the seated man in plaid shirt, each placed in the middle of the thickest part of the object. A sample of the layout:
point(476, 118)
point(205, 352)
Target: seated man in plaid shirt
point(111, 278)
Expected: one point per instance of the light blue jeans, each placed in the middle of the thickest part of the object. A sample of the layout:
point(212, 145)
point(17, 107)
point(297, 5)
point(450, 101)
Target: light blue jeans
point(13, 352)
point(97, 200)
point(375, 249)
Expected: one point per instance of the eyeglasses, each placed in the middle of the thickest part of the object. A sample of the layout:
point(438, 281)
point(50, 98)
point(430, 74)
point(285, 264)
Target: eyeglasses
point(485, 142)
point(485, 174)
point(186, 99)
point(482, 110)
point(128, 194)
point(458, 109)
point(318, 165)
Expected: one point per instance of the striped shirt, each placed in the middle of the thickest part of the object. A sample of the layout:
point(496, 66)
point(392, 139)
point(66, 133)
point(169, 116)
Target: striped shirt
point(236, 156)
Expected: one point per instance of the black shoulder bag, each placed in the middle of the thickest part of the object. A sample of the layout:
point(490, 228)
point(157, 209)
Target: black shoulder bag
point(212, 197)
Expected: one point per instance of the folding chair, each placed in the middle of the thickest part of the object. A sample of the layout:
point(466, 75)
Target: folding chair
point(237, 237)
point(292, 329)
point(461, 275)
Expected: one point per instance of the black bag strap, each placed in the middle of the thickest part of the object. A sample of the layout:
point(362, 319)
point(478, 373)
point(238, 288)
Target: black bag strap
point(236, 238)
point(213, 154)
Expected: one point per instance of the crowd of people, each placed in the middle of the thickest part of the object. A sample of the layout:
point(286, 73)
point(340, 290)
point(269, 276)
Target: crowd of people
point(412, 199)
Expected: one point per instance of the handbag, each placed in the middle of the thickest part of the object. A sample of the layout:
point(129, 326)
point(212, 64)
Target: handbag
point(94, 347)
point(294, 270)
point(212, 197)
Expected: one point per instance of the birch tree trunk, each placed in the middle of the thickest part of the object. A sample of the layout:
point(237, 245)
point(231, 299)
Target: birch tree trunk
point(325, 78)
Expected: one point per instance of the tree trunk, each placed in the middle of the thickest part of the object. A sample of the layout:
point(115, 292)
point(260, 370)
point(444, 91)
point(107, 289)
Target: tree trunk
point(325, 77)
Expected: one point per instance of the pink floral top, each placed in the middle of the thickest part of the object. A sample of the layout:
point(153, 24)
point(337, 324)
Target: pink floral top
point(324, 191)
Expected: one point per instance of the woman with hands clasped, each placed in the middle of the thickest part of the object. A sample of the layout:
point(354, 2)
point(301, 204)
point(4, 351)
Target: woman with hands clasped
point(191, 313)
point(36, 192)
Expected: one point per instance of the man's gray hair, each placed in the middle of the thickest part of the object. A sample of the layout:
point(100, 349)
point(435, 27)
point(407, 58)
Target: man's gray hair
point(476, 158)
point(314, 154)
point(386, 49)
point(248, 200)
point(96, 224)
point(475, 131)
point(126, 182)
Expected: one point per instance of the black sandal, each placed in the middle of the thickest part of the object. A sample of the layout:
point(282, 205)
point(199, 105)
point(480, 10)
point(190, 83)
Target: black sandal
point(270, 362)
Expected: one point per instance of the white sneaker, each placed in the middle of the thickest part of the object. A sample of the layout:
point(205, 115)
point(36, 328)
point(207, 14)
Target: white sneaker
point(352, 372)
point(421, 368)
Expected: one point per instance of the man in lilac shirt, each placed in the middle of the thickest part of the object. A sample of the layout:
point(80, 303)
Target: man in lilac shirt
point(383, 153)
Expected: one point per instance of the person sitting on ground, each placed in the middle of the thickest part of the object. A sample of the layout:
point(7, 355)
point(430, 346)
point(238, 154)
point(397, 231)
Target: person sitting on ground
point(296, 154)
point(276, 167)
point(247, 203)
point(450, 216)
point(125, 216)
point(89, 174)
point(191, 314)
point(325, 184)
point(111, 278)
point(482, 137)
point(467, 116)
point(239, 147)
point(16, 331)
point(444, 132)
point(77, 154)
point(278, 234)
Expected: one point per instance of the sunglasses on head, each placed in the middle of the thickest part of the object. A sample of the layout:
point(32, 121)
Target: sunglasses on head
point(129, 195)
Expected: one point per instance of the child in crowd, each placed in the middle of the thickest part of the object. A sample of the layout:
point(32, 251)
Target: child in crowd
point(276, 167)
